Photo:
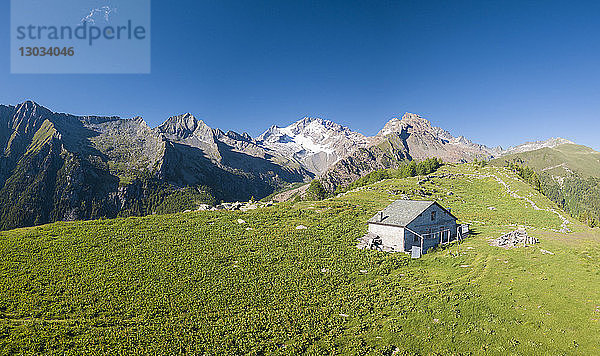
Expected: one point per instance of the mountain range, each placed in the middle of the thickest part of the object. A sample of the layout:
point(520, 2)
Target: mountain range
point(56, 166)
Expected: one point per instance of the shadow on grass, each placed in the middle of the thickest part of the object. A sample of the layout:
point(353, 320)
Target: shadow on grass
point(454, 243)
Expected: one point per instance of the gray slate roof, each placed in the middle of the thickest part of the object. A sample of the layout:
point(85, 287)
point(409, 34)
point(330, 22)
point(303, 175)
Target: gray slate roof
point(402, 212)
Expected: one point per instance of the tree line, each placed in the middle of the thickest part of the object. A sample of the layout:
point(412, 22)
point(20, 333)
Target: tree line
point(527, 174)
point(578, 196)
point(316, 191)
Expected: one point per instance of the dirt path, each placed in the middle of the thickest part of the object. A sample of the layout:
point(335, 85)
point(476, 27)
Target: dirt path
point(563, 228)
point(285, 196)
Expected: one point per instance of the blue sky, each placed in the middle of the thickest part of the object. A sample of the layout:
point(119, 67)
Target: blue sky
point(497, 72)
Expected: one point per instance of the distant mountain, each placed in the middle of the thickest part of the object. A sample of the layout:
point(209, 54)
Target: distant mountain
point(561, 160)
point(409, 138)
point(233, 164)
point(424, 141)
point(536, 145)
point(63, 167)
point(315, 143)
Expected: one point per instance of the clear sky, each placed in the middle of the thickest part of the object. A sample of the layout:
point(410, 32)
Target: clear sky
point(498, 72)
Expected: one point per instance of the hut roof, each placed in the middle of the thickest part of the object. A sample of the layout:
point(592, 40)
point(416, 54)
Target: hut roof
point(402, 212)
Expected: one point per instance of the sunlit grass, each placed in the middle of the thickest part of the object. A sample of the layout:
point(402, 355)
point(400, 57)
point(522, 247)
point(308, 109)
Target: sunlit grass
point(203, 283)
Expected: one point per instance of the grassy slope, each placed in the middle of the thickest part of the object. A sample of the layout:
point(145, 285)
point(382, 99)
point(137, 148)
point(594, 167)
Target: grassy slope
point(580, 159)
point(201, 282)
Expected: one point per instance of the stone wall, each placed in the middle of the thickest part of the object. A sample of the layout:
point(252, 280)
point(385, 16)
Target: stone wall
point(391, 236)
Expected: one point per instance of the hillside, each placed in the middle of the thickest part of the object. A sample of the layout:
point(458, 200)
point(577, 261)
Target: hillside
point(202, 282)
point(562, 160)
point(56, 166)
point(401, 140)
point(569, 175)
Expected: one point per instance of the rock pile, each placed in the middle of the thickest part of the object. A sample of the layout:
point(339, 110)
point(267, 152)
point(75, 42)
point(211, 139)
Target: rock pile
point(515, 238)
point(245, 206)
point(369, 242)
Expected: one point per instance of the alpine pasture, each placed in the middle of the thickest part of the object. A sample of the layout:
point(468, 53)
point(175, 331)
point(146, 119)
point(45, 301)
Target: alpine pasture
point(206, 283)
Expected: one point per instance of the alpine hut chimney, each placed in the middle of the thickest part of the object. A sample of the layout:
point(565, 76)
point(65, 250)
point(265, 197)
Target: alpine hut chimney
point(381, 216)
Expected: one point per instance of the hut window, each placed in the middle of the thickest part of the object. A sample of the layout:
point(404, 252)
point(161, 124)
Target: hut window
point(432, 215)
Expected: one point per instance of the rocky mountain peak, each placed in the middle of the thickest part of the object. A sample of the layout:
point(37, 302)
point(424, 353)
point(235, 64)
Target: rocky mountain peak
point(239, 137)
point(425, 140)
point(29, 105)
point(314, 124)
point(557, 141)
point(28, 116)
point(313, 127)
point(140, 120)
point(414, 118)
point(315, 142)
point(31, 108)
point(182, 126)
point(409, 120)
point(310, 119)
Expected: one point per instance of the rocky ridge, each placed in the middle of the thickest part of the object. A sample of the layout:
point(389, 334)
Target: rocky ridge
point(536, 145)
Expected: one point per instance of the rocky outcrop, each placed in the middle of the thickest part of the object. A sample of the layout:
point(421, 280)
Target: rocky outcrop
point(425, 141)
point(514, 238)
point(390, 152)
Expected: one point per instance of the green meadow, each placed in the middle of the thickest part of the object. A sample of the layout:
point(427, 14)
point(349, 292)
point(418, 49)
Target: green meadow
point(204, 283)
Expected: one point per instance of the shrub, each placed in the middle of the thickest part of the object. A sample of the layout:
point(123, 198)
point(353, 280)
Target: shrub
point(316, 191)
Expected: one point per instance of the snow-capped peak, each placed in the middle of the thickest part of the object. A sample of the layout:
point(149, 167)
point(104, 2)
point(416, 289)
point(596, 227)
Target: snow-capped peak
point(313, 141)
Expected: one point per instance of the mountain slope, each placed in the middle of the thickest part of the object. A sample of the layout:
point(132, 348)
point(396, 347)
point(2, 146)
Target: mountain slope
point(411, 138)
point(201, 279)
point(390, 152)
point(41, 179)
point(63, 167)
point(569, 175)
point(562, 160)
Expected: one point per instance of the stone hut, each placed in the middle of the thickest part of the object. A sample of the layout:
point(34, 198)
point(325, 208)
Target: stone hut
point(409, 226)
